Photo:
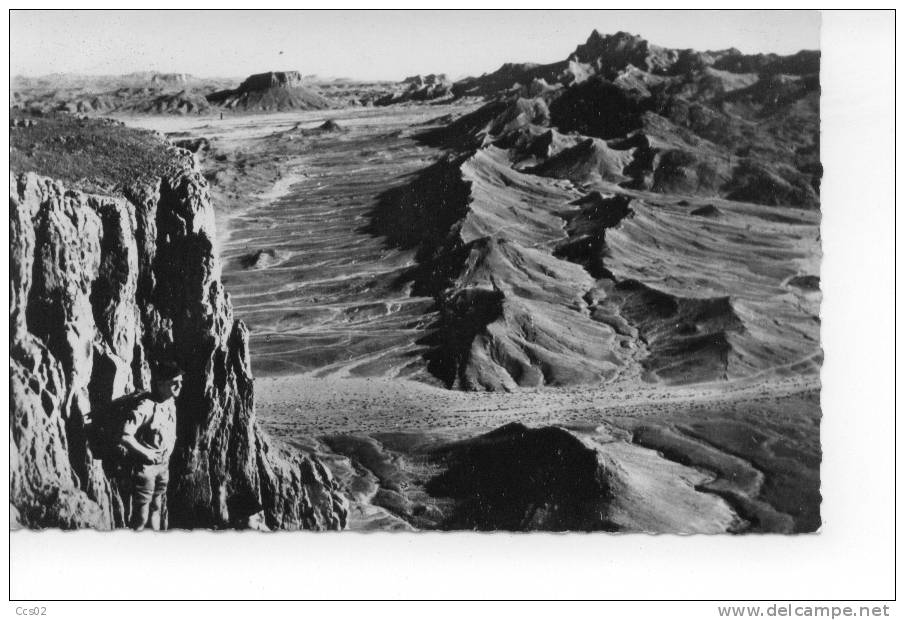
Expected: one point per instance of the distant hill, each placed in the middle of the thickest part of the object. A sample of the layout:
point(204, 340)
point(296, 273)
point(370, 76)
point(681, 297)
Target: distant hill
point(621, 56)
point(274, 91)
point(135, 93)
point(148, 92)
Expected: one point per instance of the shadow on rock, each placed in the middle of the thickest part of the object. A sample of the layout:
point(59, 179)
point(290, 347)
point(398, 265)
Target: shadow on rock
point(516, 478)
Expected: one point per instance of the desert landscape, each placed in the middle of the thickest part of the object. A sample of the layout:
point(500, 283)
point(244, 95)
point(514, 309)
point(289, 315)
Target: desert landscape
point(576, 296)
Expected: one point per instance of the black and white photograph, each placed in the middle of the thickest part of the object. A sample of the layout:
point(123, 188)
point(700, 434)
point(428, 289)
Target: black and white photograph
point(416, 271)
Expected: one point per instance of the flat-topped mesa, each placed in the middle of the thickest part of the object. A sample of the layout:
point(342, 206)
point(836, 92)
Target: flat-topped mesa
point(169, 78)
point(274, 91)
point(272, 79)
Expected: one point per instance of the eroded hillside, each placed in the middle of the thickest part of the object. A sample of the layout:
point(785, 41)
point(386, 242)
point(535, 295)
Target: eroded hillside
point(641, 206)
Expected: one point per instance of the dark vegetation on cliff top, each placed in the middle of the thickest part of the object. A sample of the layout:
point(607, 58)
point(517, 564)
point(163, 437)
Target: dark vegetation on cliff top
point(95, 155)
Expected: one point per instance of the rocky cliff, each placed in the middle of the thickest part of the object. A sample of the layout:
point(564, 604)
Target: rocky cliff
point(102, 285)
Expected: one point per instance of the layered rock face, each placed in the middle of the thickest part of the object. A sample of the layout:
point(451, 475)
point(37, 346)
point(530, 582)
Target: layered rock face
point(100, 288)
point(272, 79)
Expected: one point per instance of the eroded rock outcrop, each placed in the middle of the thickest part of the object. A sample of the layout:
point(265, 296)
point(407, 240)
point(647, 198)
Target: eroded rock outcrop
point(716, 123)
point(100, 287)
point(419, 88)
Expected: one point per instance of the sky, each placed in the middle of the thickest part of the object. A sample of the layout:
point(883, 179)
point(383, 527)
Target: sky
point(378, 45)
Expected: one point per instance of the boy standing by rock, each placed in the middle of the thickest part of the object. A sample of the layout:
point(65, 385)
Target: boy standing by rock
point(149, 435)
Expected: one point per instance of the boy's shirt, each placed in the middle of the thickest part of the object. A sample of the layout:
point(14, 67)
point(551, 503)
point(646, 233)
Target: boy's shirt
point(153, 425)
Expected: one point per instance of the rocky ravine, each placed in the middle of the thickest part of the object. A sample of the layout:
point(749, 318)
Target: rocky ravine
point(102, 285)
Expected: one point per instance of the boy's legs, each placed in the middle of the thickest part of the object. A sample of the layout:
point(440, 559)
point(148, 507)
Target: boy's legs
point(143, 481)
point(161, 480)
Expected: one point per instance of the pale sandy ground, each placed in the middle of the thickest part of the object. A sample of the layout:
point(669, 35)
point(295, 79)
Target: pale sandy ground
point(308, 405)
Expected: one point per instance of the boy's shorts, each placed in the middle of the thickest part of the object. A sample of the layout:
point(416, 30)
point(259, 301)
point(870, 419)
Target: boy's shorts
point(150, 482)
